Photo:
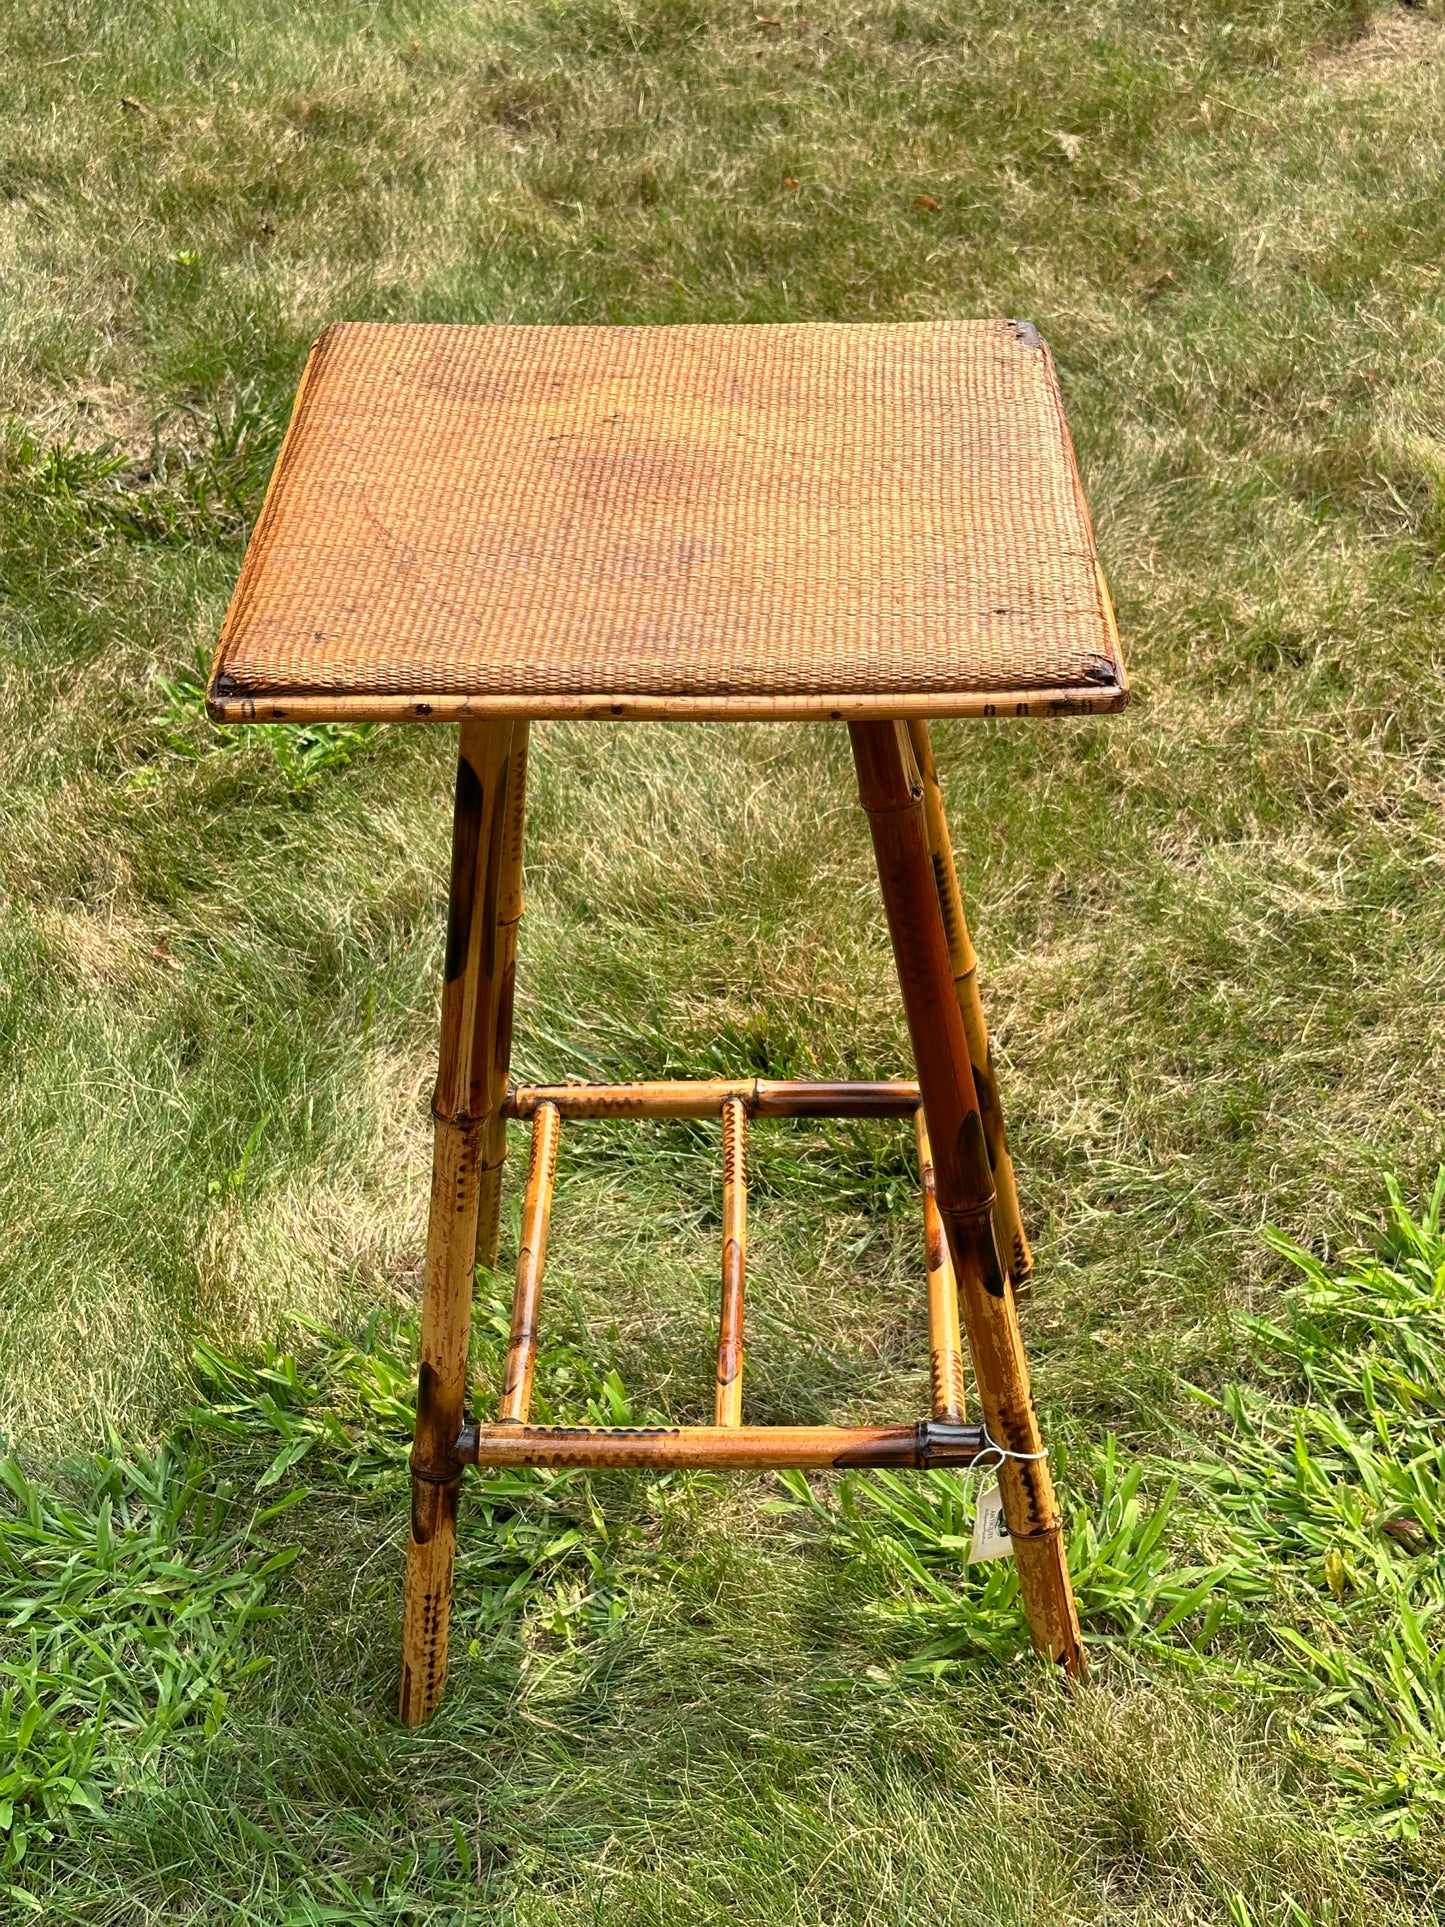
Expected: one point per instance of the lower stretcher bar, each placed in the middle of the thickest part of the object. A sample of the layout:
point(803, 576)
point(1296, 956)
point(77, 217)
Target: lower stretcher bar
point(757, 1448)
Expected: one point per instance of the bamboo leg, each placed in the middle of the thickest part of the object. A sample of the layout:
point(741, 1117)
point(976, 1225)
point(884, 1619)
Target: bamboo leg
point(469, 1092)
point(892, 791)
point(728, 1399)
point(527, 1299)
point(964, 965)
point(945, 1340)
point(509, 916)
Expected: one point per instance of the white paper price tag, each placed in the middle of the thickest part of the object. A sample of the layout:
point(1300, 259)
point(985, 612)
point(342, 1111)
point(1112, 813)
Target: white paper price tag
point(990, 1533)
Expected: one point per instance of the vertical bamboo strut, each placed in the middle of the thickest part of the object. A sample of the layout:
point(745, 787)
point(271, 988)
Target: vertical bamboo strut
point(964, 965)
point(891, 788)
point(728, 1399)
point(527, 1298)
point(471, 1084)
point(945, 1340)
point(509, 915)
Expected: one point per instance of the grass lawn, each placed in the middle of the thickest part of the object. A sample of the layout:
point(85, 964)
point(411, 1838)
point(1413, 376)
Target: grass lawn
point(1212, 938)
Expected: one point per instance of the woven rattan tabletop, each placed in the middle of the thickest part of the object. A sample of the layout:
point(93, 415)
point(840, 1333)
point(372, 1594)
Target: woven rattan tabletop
point(870, 520)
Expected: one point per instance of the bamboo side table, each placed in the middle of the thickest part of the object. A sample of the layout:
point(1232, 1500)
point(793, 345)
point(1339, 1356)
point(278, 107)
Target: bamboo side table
point(875, 524)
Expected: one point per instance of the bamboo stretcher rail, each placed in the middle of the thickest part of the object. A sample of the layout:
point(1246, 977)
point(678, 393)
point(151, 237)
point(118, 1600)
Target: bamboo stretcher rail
point(945, 1337)
point(756, 1448)
point(684, 1097)
point(728, 1398)
point(532, 1255)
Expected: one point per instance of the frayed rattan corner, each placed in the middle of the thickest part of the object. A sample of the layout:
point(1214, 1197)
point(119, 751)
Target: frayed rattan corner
point(877, 524)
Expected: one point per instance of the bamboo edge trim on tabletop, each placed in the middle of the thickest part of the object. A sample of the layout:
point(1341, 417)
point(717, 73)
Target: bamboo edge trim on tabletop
point(891, 790)
point(437, 707)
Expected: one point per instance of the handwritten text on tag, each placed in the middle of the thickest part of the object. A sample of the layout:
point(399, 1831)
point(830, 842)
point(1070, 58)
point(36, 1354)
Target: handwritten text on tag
point(990, 1533)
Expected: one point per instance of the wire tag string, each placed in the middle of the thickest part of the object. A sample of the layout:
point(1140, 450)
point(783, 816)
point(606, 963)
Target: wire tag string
point(992, 1445)
point(991, 1539)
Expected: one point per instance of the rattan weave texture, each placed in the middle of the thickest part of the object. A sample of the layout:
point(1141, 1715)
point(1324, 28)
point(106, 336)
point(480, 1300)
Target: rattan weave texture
point(711, 521)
